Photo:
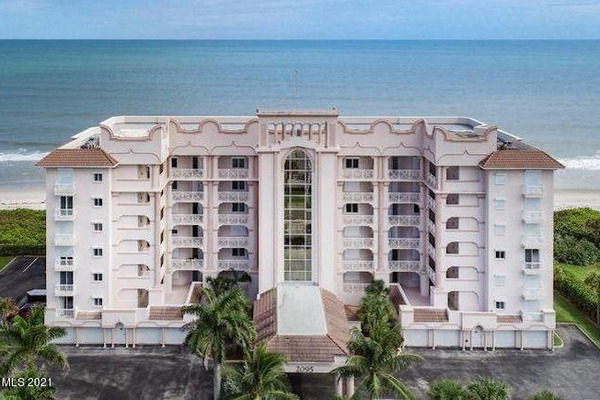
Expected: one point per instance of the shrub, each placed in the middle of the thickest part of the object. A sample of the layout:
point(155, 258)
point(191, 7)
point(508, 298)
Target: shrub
point(22, 232)
point(576, 291)
point(580, 223)
point(484, 388)
point(568, 249)
point(446, 389)
point(544, 395)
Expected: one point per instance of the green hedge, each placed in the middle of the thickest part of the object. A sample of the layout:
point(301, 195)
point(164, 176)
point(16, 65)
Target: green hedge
point(569, 250)
point(579, 294)
point(22, 232)
point(580, 223)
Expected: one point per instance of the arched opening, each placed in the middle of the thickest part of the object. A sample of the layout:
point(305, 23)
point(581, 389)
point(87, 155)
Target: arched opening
point(452, 248)
point(453, 301)
point(452, 223)
point(452, 273)
point(297, 217)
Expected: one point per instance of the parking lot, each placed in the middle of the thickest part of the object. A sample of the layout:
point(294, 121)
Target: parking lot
point(21, 275)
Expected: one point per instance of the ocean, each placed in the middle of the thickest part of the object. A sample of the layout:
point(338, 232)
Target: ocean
point(547, 92)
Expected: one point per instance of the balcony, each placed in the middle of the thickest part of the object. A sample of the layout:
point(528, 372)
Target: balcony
point(234, 173)
point(532, 316)
point(431, 226)
point(64, 214)
point(404, 220)
point(358, 265)
point(431, 250)
point(431, 203)
point(234, 219)
point(234, 264)
point(404, 174)
point(64, 239)
point(354, 287)
point(405, 243)
point(358, 243)
point(182, 174)
point(66, 313)
point(397, 197)
point(431, 180)
point(533, 190)
point(359, 174)
point(64, 189)
point(187, 241)
point(404, 266)
point(233, 241)
point(532, 216)
point(532, 242)
point(180, 195)
point(192, 263)
point(234, 197)
point(532, 268)
point(64, 265)
point(358, 220)
point(357, 197)
point(64, 290)
point(187, 219)
point(532, 293)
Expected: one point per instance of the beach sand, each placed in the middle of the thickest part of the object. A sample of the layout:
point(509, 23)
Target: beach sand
point(34, 198)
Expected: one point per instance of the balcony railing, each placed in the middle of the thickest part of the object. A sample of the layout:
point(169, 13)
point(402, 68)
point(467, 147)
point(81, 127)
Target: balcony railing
point(404, 174)
point(358, 197)
point(64, 265)
point(234, 219)
point(431, 250)
point(532, 268)
point(431, 180)
point(358, 265)
point(180, 195)
point(233, 241)
point(532, 316)
point(404, 243)
point(64, 214)
point(358, 220)
point(64, 189)
point(396, 197)
point(352, 287)
point(532, 241)
point(532, 293)
point(187, 241)
point(430, 225)
point(358, 243)
point(234, 196)
point(533, 190)
point(431, 203)
point(234, 173)
point(64, 289)
point(404, 220)
point(234, 264)
point(187, 219)
point(64, 239)
point(67, 312)
point(404, 266)
point(531, 216)
point(187, 173)
point(192, 263)
point(357, 173)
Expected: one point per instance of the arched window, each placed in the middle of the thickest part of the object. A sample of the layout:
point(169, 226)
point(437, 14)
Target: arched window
point(297, 217)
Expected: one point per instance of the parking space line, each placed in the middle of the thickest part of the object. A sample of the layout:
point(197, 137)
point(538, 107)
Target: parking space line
point(10, 262)
point(33, 262)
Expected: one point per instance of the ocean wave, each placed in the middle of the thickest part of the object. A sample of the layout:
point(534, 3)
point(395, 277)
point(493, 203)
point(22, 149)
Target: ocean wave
point(589, 163)
point(22, 155)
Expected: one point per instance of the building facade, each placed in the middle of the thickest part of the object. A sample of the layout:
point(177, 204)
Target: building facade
point(453, 214)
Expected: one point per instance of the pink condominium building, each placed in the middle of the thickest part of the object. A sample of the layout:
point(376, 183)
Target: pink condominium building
point(307, 207)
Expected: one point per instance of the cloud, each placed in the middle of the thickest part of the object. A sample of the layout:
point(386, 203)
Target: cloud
point(22, 6)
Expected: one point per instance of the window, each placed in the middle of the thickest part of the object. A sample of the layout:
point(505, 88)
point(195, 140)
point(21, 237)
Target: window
point(143, 172)
point(97, 226)
point(66, 202)
point(97, 202)
point(499, 178)
point(238, 207)
point(499, 280)
point(97, 177)
point(452, 248)
point(352, 208)
point(500, 305)
point(66, 277)
point(97, 277)
point(174, 162)
point(97, 301)
point(238, 185)
point(452, 199)
point(533, 177)
point(174, 185)
point(238, 252)
point(174, 232)
point(453, 173)
point(97, 251)
point(532, 255)
point(66, 260)
point(499, 229)
point(352, 162)
point(238, 162)
point(500, 255)
point(499, 203)
point(452, 223)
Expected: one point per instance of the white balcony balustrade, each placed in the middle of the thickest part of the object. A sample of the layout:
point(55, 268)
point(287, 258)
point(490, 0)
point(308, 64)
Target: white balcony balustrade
point(533, 190)
point(358, 173)
point(404, 174)
point(187, 219)
point(358, 265)
point(64, 265)
point(398, 197)
point(233, 241)
point(531, 216)
point(358, 243)
point(404, 220)
point(65, 312)
point(64, 239)
point(430, 225)
point(532, 316)
point(354, 287)
point(431, 180)
point(234, 197)
point(532, 241)
point(64, 189)
point(182, 174)
point(431, 203)
point(64, 214)
point(180, 195)
point(233, 219)
point(234, 264)
point(358, 220)
point(187, 241)
point(357, 197)
point(404, 243)
point(532, 293)
point(64, 290)
point(233, 173)
point(404, 266)
point(193, 263)
point(532, 268)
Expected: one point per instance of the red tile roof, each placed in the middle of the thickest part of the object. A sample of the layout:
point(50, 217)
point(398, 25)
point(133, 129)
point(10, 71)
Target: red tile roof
point(77, 158)
point(507, 319)
point(520, 159)
point(430, 315)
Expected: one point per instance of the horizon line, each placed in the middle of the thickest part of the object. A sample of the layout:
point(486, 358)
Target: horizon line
point(308, 40)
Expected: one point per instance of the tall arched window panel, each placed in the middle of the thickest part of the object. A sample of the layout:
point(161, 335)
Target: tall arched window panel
point(297, 217)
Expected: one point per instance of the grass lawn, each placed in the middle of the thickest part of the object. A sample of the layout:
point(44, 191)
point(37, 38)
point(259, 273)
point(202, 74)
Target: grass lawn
point(4, 260)
point(565, 312)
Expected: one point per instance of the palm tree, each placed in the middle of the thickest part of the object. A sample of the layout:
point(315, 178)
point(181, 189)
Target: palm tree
point(375, 308)
point(260, 377)
point(220, 319)
point(484, 388)
point(30, 392)
point(374, 360)
point(28, 339)
point(593, 281)
point(446, 389)
point(544, 395)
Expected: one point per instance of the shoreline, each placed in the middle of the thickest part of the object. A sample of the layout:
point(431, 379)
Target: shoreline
point(34, 198)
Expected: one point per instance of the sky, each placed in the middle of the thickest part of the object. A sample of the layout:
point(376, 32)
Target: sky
point(300, 19)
